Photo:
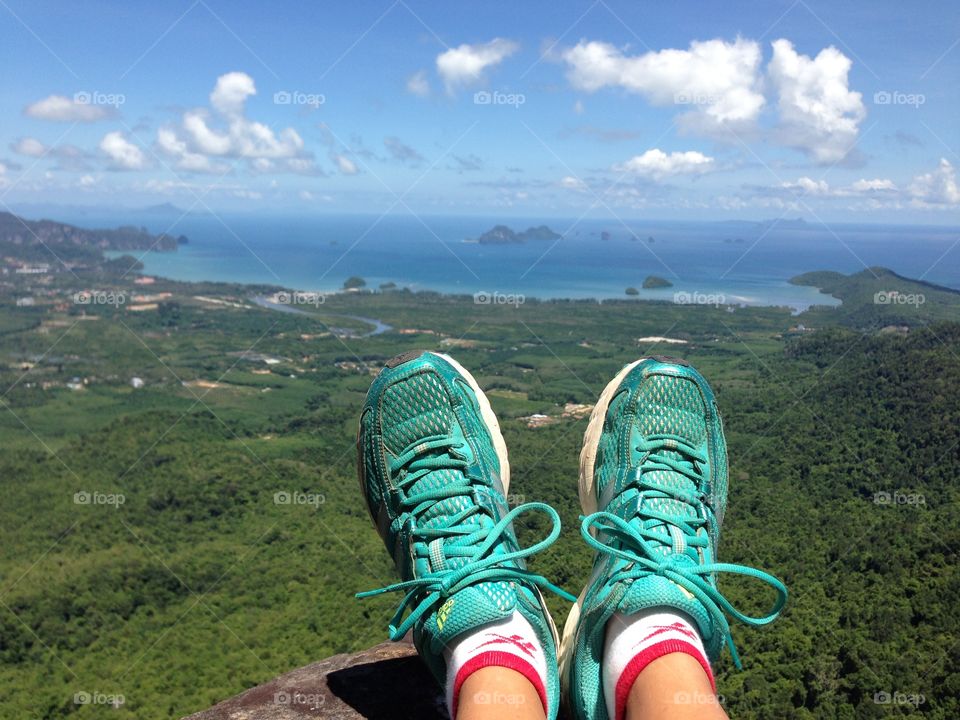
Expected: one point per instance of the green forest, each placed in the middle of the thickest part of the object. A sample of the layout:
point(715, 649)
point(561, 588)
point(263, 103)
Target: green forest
point(181, 519)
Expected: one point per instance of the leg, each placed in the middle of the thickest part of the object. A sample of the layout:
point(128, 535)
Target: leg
point(673, 687)
point(498, 693)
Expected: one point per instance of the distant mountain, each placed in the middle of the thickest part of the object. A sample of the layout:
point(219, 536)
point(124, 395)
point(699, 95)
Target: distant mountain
point(164, 209)
point(17, 231)
point(502, 235)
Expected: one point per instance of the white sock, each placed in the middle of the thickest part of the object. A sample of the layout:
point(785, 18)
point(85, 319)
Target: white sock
point(634, 641)
point(511, 643)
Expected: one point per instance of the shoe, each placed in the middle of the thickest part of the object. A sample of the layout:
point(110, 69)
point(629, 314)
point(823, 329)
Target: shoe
point(433, 468)
point(653, 488)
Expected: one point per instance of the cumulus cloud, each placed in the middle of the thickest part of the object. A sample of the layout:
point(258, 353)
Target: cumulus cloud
point(657, 164)
point(465, 65)
point(875, 185)
point(63, 109)
point(169, 144)
point(938, 187)
point(31, 147)
point(807, 186)
point(874, 188)
point(718, 80)
point(224, 131)
point(122, 153)
point(402, 152)
point(819, 114)
point(345, 164)
point(571, 183)
point(417, 84)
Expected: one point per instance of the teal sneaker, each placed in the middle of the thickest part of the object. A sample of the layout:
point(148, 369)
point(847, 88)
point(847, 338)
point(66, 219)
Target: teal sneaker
point(653, 487)
point(434, 471)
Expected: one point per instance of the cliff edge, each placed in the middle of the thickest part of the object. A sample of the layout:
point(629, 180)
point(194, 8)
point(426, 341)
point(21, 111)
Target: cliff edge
point(387, 681)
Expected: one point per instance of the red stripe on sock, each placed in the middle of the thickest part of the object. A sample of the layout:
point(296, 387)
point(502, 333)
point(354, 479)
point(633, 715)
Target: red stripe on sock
point(642, 659)
point(499, 659)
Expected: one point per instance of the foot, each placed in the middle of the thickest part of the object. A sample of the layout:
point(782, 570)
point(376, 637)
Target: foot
point(434, 471)
point(653, 487)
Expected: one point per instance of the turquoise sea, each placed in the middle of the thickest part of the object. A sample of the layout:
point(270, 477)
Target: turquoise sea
point(732, 262)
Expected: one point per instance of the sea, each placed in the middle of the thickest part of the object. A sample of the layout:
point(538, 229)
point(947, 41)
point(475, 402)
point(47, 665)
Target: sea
point(734, 262)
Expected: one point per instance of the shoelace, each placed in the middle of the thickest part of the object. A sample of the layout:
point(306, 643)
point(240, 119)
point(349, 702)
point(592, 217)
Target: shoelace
point(642, 545)
point(471, 541)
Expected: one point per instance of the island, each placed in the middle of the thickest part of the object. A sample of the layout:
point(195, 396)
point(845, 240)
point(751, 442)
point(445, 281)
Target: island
point(654, 282)
point(632, 291)
point(15, 230)
point(503, 235)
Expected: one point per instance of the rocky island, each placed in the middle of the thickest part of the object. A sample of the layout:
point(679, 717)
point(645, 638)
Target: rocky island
point(503, 235)
point(653, 282)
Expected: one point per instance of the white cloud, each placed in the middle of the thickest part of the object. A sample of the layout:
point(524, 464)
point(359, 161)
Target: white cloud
point(875, 189)
point(31, 147)
point(572, 183)
point(169, 144)
point(417, 84)
point(345, 164)
point(718, 80)
point(657, 164)
point(230, 94)
point(466, 64)
point(936, 188)
point(872, 186)
point(87, 181)
point(807, 186)
point(123, 154)
point(63, 109)
point(226, 132)
point(819, 114)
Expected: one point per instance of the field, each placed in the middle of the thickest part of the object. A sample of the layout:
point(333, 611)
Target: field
point(174, 543)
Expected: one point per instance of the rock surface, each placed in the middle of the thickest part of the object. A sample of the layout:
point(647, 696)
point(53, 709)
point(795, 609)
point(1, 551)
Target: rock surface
point(386, 681)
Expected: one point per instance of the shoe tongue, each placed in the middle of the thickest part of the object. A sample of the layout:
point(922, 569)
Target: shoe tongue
point(471, 607)
point(414, 409)
point(667, 405)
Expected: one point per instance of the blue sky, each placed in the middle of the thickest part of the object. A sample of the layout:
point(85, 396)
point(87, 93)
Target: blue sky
point(823, 110)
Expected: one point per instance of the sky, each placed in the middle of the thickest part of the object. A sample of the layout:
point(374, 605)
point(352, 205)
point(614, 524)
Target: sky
point(682, 110)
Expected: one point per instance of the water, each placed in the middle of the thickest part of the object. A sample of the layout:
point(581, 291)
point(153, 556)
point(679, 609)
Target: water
point(733, 262)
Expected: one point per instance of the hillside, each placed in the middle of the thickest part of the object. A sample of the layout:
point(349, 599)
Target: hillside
point(17, 231)
point(877, 297)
